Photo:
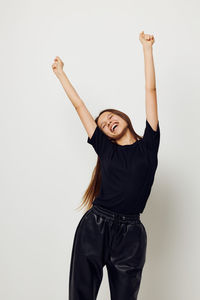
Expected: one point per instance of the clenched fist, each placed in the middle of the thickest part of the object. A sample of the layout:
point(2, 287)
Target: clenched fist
point(147, 40)
point(57, 66)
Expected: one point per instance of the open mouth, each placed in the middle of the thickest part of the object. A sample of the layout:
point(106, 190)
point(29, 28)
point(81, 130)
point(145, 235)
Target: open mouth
point(114, 126)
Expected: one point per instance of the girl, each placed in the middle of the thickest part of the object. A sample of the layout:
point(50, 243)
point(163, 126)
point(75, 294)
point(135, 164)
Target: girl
point(110, 233)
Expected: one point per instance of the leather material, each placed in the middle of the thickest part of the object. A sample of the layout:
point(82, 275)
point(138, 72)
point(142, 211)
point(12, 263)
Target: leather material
point(105, 238)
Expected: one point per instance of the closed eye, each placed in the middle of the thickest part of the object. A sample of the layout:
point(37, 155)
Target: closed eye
point(109, 118)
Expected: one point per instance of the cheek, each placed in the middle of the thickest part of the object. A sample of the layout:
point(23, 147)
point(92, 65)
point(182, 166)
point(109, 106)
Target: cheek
point(124, 125)
point(121, 126)
point(121, 122)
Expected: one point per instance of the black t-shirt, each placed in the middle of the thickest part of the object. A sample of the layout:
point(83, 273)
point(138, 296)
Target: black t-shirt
point(127, 171)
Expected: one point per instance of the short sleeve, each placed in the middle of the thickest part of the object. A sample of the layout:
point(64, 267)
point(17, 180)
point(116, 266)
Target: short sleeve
point(151, 138)
point(99, 141)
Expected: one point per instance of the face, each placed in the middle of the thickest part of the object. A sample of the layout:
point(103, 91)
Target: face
point(112, 125)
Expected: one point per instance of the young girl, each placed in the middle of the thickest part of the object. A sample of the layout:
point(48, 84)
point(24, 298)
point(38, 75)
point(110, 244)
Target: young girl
point(110, 233)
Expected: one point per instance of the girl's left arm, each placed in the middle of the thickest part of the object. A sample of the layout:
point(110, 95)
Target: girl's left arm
point(151, 106)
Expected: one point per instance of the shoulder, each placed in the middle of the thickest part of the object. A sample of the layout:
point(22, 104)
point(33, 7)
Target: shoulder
point(100, 141)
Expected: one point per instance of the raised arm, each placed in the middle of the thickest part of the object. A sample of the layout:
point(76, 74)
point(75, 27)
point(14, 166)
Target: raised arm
point(84, 115)
point(150, 82)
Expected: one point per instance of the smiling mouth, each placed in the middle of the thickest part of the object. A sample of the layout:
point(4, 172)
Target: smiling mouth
point(113, 127)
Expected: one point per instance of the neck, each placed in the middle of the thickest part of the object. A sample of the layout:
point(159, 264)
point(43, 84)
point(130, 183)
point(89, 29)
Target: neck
point(126, 139)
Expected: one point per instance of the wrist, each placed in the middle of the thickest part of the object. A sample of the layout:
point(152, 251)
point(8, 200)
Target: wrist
point(147, 48)
point(60, 74)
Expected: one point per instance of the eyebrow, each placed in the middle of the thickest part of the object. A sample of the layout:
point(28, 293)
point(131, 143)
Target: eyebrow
point(107, 117)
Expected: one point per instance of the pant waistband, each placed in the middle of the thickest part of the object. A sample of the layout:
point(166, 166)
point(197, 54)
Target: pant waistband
point(114, 215)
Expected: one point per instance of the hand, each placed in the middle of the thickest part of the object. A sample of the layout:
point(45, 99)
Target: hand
point(57, 66)
point(147, 40)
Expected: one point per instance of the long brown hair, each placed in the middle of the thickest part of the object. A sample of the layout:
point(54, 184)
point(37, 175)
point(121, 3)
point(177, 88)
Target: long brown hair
point(94, 186)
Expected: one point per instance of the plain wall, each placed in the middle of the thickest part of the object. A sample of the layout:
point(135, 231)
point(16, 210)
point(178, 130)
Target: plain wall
point(45, 161)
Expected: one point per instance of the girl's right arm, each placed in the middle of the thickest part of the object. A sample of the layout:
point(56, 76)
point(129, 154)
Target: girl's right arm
point(84, 115)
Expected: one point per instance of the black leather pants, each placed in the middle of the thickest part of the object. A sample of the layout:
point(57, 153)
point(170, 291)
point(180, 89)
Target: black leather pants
point(105, 238)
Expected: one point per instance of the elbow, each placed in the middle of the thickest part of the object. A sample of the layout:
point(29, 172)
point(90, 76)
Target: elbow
point(79, 106)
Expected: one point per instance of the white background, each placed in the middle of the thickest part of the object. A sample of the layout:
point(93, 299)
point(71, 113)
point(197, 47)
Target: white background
point(45, 161)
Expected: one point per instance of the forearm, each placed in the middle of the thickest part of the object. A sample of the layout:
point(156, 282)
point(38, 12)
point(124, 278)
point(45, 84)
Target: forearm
point(70, 90)
point(150, 81)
